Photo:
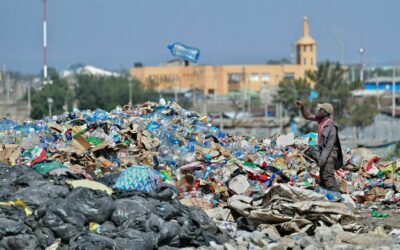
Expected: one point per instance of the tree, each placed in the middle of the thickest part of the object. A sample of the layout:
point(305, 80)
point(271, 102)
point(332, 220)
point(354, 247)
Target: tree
point(333, 87)
point(107, 92)
point(58, 91)
point(291, 90)
point(361, 114)
point(279, 61)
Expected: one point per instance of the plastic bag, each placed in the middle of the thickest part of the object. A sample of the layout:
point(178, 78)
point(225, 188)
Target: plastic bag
point(19, 242)
point(136, 178)
point(45, 167)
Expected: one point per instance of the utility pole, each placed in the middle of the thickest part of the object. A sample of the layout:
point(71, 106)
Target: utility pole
point(6, 82)
point(130, 92)
point(361, 51)
point(44, 41)
point(193, 85)
point(29, 99)
point(244, 85)
point(175, 88)
point(394, 92)
point(215, 85)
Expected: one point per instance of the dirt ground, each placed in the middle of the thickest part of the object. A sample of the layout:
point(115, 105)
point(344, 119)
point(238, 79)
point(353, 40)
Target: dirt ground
point(370, 223)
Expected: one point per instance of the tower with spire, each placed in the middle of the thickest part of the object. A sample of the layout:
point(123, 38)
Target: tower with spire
point(306, 47)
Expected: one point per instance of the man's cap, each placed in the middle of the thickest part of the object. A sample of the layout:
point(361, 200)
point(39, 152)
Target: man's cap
point(327, 107)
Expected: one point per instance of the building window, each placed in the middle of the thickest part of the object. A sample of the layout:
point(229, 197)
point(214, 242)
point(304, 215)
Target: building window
point(234, 78)
point(211, 91)
point(265, 77)
point(305, 48)
point(254, 77)
point(289, 76)
point(305, 61)
point(311, 48)
point(311, 61)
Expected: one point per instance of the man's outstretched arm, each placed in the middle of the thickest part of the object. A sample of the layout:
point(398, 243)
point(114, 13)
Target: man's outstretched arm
point(306, 114)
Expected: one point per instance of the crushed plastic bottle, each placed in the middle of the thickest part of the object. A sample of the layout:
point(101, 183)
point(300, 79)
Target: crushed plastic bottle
point(6, 124)
point(377, 214)
point(152, 126)
point(184, 52)
point(330, 195)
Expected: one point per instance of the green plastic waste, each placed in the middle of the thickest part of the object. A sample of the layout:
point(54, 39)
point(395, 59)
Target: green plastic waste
point(388, 170)
point(377, 214)
point(249, 164)
point(166, 175)
point(94, 141)
point(45, 167)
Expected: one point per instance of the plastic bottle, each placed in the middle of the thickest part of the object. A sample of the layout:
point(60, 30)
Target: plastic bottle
point(7, 124)
point(330, 195)
point(184, 52)
point(151, 126)
point(377, 214)
point(391, 198)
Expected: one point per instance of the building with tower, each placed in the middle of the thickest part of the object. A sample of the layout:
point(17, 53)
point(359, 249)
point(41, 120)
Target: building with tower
point(177, 76)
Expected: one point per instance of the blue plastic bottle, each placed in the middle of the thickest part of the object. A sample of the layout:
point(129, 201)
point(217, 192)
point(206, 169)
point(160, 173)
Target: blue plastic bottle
point(184, 52)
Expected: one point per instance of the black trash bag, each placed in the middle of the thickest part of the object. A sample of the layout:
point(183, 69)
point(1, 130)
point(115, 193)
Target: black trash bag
point(10, 226)
point(12, 221)
point(96, 205)
point(166, 210)
point(6, 190)
point(107, 228)
point(44, 236)
point(12, 178)
point(244, 224)
point(165, 192)
point(196, 214)
point(190, 231)
point(40, 192)
point(62, 226)
point(125, 208)
point(31, 222)
point(69, 217)
point(134, 239)
point(88, 241)
point(19, 242)
point(25, 175)
point(210, 232)
point(146, 222)
point(169, 234)
point(108, 180)
point(19, 175)
point(138, 221)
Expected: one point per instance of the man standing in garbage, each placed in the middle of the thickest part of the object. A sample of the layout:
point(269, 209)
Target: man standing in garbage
point(330, 152)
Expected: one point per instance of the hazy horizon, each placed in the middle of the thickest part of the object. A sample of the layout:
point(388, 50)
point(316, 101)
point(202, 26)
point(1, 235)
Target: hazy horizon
point(116, 34)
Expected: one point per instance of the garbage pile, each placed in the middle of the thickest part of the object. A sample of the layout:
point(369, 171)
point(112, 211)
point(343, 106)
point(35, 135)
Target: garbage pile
point(156, 175)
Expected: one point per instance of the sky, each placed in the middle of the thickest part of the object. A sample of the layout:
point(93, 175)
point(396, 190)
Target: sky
point(114, 34)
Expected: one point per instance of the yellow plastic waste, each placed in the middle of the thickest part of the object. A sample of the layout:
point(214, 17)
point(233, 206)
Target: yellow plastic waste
point(19, 203)
point(93, 226)
point(203, 119)
point(90, 184)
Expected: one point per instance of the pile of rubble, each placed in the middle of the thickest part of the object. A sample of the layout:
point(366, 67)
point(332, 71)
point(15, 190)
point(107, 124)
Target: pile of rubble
point(159, 176)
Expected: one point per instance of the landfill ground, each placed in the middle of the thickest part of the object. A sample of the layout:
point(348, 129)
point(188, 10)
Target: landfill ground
point(370, 223)
point(156, 176)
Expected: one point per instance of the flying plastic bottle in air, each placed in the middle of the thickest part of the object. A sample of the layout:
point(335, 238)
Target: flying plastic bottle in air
point(184, 52)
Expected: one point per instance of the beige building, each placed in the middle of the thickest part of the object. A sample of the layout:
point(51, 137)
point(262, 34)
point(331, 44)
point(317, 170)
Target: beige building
point(221, 79)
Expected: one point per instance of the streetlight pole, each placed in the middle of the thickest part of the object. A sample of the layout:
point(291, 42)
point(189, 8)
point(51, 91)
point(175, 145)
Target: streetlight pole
point(175, 87)
point(130, 92)
point(50, 102)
